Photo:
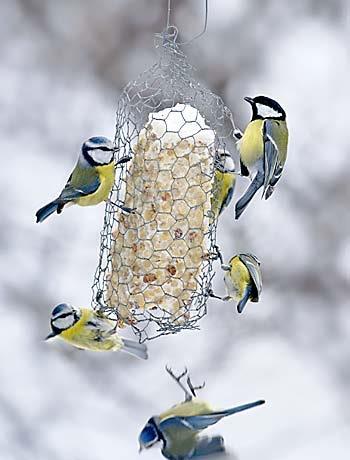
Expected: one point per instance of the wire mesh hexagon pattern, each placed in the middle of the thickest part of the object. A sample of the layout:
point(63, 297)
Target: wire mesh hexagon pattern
point(159, 236)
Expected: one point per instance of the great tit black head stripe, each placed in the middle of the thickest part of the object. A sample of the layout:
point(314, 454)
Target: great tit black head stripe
point(265, 107)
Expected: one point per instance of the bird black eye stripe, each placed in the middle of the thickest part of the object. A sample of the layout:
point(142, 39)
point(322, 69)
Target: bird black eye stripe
point(105, 149)
point(63, 315)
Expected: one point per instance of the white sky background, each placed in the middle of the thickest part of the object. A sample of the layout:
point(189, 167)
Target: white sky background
point(61, 69)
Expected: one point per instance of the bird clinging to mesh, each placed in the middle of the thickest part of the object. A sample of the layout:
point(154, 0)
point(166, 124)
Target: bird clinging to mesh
point(262, 148)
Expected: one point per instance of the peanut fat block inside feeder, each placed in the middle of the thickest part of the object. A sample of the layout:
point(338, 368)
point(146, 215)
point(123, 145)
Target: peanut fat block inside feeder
point(158, 250)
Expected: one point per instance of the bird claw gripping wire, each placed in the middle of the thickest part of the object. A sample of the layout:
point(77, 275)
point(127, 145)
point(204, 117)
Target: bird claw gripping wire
point(123, 160)
point(218, 253)
point(124, 208)
point(236, 132)
point(212, 295)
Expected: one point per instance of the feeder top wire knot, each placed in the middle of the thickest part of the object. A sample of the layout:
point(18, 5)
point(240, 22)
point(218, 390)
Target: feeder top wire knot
point(155, 266)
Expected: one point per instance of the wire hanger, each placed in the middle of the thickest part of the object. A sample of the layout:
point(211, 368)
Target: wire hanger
point(172, 31)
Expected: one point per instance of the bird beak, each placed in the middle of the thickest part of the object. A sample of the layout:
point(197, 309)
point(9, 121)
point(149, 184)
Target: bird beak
point(140, 449)
point(249, 99)
point(50, 336)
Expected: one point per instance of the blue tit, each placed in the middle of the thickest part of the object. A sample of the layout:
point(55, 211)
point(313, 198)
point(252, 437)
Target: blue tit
point(91, 180)
point(243, 279)
point(262, 148)
point(178, 429)
point(86, 329)
point(224, 182)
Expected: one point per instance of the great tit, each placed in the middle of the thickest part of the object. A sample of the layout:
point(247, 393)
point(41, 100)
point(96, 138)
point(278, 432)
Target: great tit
point(262, 148)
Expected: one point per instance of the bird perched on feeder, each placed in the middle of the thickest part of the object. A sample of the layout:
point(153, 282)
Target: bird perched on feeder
point(86, 329)
point(91, 180)
point(179, 428)
point(242, 279)
point(262, 148)
point(224, 182)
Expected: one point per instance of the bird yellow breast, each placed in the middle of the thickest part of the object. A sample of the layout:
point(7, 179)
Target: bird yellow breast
point(82, 336)
point(237, 279)
point(222, 184)
point(188, 408)
point(106, 176)
point(251, 145)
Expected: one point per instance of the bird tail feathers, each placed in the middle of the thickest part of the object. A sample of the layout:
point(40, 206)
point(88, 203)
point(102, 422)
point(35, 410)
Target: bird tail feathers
point(242, 303)
point(269, 191)
point(47, 210)
point(235, 410)
point(135, 348)
point(201, 422)
point(243, 202)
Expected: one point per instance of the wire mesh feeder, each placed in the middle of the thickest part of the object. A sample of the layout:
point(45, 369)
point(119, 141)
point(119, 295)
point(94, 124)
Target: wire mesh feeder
point(155, 266)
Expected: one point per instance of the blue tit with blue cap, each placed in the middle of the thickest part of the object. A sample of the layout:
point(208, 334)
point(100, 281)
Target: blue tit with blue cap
point(178, 429)
point(91, 181)
point(224, 182)
point(87, 329)
point(262, 148)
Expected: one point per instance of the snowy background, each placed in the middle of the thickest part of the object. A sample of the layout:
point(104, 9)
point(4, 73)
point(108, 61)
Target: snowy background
point(62, 67)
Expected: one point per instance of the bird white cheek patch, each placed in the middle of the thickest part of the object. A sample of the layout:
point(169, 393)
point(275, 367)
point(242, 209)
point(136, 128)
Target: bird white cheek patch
point(267, 112)
point(101, 156)
point(63, 323)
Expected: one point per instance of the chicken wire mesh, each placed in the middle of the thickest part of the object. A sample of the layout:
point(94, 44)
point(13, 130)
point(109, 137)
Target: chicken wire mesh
point(156, 262)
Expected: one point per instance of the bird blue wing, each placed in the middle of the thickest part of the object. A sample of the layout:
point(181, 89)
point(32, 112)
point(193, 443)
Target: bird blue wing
point(272, 167)
point(72, 192)
point(200, 422)
point(175, 423)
